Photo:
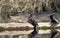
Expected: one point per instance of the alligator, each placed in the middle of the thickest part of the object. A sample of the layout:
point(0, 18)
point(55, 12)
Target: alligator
point(39, 17)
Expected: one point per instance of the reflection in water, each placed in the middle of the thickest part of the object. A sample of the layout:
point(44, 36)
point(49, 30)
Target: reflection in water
point(33, 34)
point(55, 34)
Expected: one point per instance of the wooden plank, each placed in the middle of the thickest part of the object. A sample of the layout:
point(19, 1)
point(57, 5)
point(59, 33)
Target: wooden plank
point(21, 26)
point(6, 25)
point(18, 26)
point(18, 32)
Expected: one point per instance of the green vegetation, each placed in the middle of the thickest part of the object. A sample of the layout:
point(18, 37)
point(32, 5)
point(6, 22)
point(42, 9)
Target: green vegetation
point(44, 28)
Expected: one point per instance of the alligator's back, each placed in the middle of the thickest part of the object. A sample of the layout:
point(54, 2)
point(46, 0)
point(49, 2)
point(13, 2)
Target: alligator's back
point(41, 17)
point(21, 17)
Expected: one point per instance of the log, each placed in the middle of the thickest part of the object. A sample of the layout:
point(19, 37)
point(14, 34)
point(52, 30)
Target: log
point(6, 25)
point(20, 28)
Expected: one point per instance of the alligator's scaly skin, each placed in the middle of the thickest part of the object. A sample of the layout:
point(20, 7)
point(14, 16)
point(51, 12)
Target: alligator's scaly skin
point(34, 18)
point(41, 17)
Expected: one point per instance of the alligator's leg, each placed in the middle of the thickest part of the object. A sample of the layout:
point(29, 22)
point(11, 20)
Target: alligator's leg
point(54, 22)
point(35, 32)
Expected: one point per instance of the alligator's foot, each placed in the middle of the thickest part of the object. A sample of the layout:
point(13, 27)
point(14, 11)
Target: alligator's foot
point(35, 32)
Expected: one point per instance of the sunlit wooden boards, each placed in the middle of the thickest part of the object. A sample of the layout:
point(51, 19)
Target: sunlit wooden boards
point(6, 25)
point(7, 28)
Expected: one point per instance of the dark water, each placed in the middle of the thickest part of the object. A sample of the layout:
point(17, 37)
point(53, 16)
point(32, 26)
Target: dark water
point(15, 36)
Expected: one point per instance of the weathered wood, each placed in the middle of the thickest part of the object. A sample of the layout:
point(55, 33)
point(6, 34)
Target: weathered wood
point(6, 25)
point(16, 28)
